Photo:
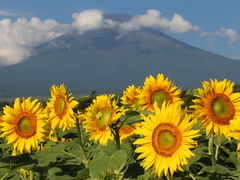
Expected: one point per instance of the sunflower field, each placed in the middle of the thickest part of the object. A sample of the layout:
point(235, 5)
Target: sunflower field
point(154, 131)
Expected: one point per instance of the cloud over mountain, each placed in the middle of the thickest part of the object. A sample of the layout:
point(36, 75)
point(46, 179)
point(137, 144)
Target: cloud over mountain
point(90, 20)
point(17, 38)
point(153, 18)
point(231, 33)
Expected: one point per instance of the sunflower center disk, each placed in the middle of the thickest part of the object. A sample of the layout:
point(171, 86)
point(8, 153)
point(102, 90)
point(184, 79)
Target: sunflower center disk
point(105, 119)
point(159, 96)
point(61, 105)
point(24, 125)
point(166, 140)
point(220, 107)
point(126, 129)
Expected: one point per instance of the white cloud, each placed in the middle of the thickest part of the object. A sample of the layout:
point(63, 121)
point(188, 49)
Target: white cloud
point(17, 38)
point(153, 18)
point(231, 33)
point(90, 20)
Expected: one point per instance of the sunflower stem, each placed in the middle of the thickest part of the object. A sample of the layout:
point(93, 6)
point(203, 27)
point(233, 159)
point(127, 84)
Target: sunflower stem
point(117, 139)
point(211, 153)
point(191, 176)
point(79, 133)
point(85, 159)
point(116, 134)
point(30, 175)
point(217, 147)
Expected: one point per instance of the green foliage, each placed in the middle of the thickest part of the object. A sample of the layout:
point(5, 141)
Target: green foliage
point(188, 96)
point(133, 116)
point(236, 88)
point(103, 163)
point(85, 101)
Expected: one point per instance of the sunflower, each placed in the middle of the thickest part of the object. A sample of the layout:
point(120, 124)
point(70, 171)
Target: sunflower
point(126, 131)
point(99, 116)
point(216, 106)
point(60, 108)
point(23, 125)
point(130, 96)
point(158, 90)
point(167, 139)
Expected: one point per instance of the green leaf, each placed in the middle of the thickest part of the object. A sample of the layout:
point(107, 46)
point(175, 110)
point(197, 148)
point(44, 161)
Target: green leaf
point(133, 116)
point(27, 167)
point(49, 144)
point(223, 170)
point(144, 112)
point(83, 174)
point(189, 92)
point(132, 113)
point(52, 174)
point(195, 92)
point(233, 158)
point(109, 149)
point(4, 165)
point(127, 148)
point(47, 156)
point(73, 150)
point(112, 148)
point(208, 169)
point(149, 174)
point(103, 163)
point(198, 154)
point(4, 172)
point(133, 119)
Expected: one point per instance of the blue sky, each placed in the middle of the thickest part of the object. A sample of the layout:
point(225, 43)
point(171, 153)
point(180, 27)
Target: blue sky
point(216, 22)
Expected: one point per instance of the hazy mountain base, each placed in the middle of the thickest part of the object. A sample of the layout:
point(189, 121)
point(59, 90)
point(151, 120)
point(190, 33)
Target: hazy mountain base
point(108, 61)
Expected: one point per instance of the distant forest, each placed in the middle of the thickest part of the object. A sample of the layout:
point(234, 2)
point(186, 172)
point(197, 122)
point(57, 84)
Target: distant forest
point(85, 101)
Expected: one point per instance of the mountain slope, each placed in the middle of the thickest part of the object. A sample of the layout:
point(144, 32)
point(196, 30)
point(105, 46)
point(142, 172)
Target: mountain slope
point(108, 61)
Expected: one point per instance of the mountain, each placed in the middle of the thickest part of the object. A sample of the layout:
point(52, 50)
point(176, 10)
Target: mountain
point(108, 61)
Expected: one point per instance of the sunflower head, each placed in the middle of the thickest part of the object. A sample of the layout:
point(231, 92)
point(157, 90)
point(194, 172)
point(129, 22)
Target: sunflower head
point(126, 131)
point(130, 96)
point(23, 125)
point(100, 115)
point(158, 90)
point(167, 139)
point(60, 108)
point(217, 105)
